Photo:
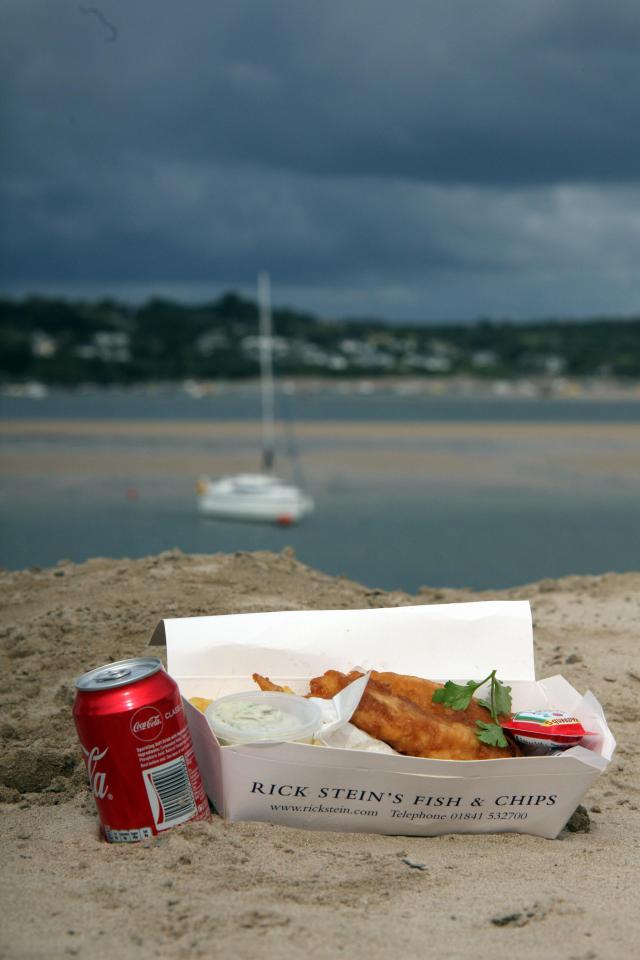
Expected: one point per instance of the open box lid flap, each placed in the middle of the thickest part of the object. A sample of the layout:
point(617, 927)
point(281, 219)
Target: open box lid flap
point(457, 641)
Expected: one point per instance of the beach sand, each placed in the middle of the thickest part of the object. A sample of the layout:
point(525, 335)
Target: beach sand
point(255, 890)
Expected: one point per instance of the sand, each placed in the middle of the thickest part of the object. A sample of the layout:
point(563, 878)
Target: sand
point(534, 456)
point(255, 890)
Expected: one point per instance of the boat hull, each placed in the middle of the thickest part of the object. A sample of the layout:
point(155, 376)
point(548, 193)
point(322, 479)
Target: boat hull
point(265, 500)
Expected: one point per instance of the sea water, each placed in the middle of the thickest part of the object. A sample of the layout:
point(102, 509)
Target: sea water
point(393, 530)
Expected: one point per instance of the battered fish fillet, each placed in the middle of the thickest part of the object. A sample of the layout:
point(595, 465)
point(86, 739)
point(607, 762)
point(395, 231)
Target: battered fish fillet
point(421, 691)
point(414, 730)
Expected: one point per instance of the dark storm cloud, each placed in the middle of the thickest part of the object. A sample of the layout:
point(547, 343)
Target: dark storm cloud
point(447, 149)
point(498, 92)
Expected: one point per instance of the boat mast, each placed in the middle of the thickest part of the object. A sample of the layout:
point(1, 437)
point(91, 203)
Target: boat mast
point(266, 372)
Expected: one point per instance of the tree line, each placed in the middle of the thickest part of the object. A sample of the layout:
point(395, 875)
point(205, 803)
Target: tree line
point(65, 342)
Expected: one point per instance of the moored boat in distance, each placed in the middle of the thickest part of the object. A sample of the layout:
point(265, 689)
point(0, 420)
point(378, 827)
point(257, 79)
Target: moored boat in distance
point(253, 496)
point(259, 497)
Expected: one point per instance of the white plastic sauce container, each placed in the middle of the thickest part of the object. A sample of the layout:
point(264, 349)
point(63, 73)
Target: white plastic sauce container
point(263, 715)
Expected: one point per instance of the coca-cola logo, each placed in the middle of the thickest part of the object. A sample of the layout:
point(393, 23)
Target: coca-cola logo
point(97, 778)
point(147, 724)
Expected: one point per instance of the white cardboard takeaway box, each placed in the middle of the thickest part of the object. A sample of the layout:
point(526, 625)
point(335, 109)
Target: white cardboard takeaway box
point(325, 788)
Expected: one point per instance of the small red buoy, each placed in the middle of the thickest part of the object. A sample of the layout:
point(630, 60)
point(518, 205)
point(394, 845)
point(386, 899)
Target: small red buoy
point(284, 520)
point(131, 493)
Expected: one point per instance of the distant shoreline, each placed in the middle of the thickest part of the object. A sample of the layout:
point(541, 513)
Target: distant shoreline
point(599, 389)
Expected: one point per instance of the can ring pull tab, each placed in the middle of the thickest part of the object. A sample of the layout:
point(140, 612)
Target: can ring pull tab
point(107, 676)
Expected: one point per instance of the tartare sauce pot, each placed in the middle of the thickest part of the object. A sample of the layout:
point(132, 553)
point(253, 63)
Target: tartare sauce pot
point(263, 716)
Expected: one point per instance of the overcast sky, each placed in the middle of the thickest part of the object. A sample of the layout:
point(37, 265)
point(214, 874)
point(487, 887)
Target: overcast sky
point(419, 159)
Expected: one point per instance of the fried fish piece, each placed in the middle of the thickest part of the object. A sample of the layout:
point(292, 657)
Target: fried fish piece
point(414, 730)
point(421, 691)
point(265, 684)
point(331, 682)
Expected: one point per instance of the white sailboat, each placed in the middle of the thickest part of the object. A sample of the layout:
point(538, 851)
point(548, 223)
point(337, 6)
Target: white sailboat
point(261, 497)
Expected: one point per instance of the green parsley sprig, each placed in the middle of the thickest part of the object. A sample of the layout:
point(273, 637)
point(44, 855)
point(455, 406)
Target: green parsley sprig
point(458, 696)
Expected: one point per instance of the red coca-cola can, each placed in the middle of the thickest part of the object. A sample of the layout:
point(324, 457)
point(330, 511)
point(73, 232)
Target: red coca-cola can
point(137, 749)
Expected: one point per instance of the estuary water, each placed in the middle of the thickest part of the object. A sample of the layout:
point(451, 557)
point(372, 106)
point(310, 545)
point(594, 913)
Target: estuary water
point(410, 491)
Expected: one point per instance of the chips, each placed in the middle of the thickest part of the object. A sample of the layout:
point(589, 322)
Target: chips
point(200, 703)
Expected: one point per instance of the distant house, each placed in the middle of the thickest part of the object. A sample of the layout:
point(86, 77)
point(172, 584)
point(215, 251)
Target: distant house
point(42, 345)
point(106, 345)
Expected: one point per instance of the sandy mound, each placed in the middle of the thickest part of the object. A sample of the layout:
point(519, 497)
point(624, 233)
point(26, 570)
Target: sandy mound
point(239, 888)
